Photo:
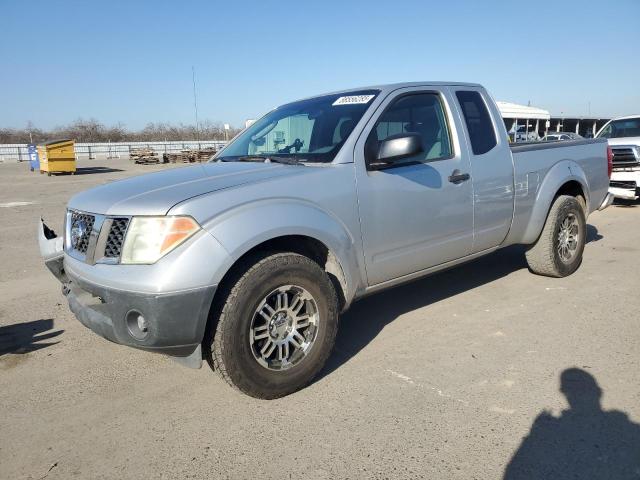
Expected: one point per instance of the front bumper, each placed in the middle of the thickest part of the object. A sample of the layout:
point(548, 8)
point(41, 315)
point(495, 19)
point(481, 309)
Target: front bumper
point(625, 184)
point(173, 296)
point(175, 321)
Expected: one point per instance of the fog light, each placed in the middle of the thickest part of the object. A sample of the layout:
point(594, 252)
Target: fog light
point(142, 323)
point(137, 325)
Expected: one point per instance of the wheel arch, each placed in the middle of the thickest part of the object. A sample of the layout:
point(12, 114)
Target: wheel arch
point(307, 246)
point(564, 178)
point(279, 225)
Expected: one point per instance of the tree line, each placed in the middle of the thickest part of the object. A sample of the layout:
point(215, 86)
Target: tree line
point(92, 131)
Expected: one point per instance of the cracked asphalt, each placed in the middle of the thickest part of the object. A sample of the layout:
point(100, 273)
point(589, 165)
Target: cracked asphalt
point(454, 376)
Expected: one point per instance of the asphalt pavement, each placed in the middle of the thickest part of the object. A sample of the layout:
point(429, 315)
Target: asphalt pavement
point(484, 371)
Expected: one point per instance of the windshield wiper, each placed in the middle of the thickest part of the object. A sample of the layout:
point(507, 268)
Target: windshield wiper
point(263, 158)
point(251, 158)
point(285, 160)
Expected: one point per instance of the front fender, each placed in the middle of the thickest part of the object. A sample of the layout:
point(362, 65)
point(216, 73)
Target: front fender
point(245, 226)
point(561, 173)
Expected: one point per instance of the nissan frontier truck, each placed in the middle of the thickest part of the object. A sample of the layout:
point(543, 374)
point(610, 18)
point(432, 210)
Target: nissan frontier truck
point(247, 261)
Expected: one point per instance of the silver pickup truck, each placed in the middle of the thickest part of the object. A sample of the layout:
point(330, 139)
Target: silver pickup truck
point(248, 260)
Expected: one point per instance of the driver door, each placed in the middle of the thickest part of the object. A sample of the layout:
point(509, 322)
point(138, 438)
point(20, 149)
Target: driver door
point(413, 215)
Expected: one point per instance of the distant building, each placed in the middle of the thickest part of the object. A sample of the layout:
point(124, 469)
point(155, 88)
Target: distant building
point(542, 121)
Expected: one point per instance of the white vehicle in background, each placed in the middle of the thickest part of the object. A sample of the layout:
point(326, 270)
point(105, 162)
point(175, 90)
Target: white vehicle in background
point(556, 136)
point(623, 135)
point(524, 134)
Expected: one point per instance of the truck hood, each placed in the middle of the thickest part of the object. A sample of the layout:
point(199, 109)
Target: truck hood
point(624, 141)
point(156, 193)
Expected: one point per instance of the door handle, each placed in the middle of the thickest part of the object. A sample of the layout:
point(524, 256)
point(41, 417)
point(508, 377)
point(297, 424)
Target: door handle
point(458, 177)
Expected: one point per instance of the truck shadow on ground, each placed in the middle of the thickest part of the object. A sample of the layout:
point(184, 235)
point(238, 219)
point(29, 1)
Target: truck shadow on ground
point(367, 317)
point(27, 337)
point(92, 170)
point(592, 234)
point(585, 441)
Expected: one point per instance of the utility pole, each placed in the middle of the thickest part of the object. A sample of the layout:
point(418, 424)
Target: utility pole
point(195, 100)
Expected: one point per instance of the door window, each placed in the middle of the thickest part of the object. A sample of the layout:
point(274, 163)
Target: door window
point(476, 116)
point(415, 113)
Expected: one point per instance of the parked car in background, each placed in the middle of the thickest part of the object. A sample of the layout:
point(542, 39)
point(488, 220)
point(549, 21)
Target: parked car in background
point(522, 135)
point(623, 135)
point(555, 136)
point(248, 260)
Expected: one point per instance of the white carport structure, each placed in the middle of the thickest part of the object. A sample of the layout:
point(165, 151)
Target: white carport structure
point(512, 113)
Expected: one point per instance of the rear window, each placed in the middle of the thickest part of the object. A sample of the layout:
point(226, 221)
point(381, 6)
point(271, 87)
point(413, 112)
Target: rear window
point(479, 126)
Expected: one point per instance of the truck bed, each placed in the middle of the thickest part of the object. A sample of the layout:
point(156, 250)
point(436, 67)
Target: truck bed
point(541, 166)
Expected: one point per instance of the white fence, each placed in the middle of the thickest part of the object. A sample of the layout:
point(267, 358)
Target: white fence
point(18, 152)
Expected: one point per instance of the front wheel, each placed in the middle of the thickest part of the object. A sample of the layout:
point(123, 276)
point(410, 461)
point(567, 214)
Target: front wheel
point(276, 327)
point(558, 250)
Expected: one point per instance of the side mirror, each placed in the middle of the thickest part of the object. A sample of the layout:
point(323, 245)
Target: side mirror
point(395, 148)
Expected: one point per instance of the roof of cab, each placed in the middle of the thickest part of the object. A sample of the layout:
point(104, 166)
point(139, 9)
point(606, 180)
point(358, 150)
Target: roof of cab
point(390, 87)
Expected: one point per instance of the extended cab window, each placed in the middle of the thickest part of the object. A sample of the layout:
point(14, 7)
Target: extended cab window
point(476, 116)
point(416, 113)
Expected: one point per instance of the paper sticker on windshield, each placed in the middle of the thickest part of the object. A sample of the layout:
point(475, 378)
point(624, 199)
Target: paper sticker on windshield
point(353, 99)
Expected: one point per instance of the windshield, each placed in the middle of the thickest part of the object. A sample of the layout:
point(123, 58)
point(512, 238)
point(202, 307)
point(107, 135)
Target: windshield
point(311, 130)
point(621, 128)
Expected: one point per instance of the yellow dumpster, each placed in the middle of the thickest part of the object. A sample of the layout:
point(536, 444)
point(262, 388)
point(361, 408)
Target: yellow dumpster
point(57, 156)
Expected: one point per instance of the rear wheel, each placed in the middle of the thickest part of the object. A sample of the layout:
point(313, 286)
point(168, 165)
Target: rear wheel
point(558, 250)
point(276, 326)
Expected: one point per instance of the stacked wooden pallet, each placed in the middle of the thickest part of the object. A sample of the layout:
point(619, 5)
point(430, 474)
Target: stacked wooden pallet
point(190, 156)
point(144, 156)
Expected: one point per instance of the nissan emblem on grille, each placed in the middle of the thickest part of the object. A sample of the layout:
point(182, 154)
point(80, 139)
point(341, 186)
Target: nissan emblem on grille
point(81, 226)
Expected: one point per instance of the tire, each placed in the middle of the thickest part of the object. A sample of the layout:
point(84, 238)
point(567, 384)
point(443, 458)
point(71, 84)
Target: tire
point(555, 254)
point(244, 361)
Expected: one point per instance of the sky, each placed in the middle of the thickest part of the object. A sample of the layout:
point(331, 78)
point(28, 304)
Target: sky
point(131, 61)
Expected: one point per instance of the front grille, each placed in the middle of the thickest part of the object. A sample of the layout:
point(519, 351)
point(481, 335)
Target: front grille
point(624, 157)
point(113, 247)
point(80, 231)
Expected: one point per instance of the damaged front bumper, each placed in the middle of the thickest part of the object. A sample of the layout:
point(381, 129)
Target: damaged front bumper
point(52, 251)
point(170, 323)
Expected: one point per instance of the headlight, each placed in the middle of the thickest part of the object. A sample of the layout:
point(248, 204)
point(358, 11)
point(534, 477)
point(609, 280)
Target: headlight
point(149, 238)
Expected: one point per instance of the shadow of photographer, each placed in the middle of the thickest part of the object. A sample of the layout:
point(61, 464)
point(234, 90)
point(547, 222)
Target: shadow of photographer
point(583, 442)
